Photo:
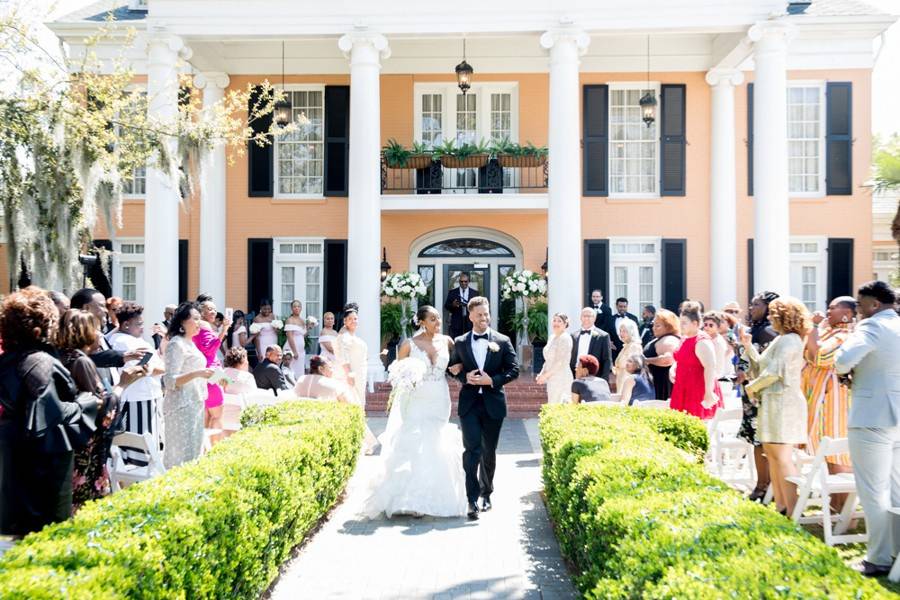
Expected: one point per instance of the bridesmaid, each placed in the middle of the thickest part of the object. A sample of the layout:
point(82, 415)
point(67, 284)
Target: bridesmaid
point(351, 368)
point(327, 337)
point(267, 336)
point(556, 373)
point(208, 340)
point(295, 331)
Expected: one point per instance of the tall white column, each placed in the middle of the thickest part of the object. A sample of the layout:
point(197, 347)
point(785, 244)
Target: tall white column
point(564, 261)
point(365, 49)
point(723, 188)
point(213, 228)
point(771, 246)
point(163, 197)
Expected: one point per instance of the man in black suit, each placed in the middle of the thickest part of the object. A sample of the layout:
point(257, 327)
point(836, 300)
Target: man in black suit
point(603, 313)
point(620, 314)
point(648, 314)
point(456, 304)
point(484, 361)
point(593, 341)
point(268, 373)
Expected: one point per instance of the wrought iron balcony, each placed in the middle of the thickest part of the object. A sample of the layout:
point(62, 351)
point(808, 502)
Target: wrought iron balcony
point(491, 178)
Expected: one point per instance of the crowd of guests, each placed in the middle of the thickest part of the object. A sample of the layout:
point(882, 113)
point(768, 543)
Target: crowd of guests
point(75, 372)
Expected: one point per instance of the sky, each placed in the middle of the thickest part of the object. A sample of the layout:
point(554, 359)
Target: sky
point(885, 77)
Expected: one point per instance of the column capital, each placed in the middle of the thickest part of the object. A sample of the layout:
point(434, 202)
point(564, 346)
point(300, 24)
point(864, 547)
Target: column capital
point(772, 31)
point(363, 37)
point(718, 76)
point(159, 36)
point(566, 34)
point(212, 79)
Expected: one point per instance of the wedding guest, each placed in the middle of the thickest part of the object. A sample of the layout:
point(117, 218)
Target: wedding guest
point(587, 387)
point(268, 373)
point(695, 389)
point(661, 350)
point(108, 361)
point(620, 316)
point(603, 317)
point(762, 334)
point(456, 304)
point(715, 325)
point(320, 383)
point(237, 368)
point(593, 341)
point(638, 386)
point(327, 335)
point(778, 390)
point(556, 373)
point(113, 303)
point(159, 329)
point(42, 420)
point(827, 398)
point(647, 316)
point(873, 430)
point(351, 353)
point(295, 331)
point(630, 345)
point(732, 308)
point(237, 334)
point(208, 339)
point(60, 300)
point(267, 335)
point(185, 385)
point(287, 362)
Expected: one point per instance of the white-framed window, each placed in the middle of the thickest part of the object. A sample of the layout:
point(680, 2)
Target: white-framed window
point(300, 155)
point(135, 186)
point(297, 266)
point(809, 271)
point(633, 146)
point(806, 138)
point(128, 269)
point(431, 119)
point(488, 111)
point(635, 271)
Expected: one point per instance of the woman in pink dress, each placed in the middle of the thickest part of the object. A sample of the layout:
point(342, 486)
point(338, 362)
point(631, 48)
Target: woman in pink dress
point(696, 389)
point(208, 340)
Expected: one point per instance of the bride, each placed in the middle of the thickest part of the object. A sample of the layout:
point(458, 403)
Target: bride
point(421, 472)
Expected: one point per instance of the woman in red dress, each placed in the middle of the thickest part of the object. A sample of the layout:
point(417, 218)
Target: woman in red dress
point(696, 389)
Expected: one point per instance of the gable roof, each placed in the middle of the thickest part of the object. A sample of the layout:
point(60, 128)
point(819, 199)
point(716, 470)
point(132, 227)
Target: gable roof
point(99, 11)
point(842, 8)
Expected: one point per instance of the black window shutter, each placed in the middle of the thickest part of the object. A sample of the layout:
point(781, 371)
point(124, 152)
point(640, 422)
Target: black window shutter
point(838, 138)
point(337, 139)
point(596, 267)
point(183, 271)
point(259, 271)
point(672, 140)
point(335, 276)
point(674, 275)
point(750, 140)
point(840, 267)
point(596, 141)
point(260, 159)
point(750, 282)
point(101, 280)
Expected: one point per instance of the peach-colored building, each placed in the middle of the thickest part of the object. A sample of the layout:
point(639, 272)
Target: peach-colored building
point(749, 176)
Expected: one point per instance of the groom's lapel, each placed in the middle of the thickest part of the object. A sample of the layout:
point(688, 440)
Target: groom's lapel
point(470, 356)
point(490, 355)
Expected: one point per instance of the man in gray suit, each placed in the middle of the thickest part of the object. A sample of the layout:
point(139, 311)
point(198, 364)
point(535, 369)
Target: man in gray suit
point(872, 355)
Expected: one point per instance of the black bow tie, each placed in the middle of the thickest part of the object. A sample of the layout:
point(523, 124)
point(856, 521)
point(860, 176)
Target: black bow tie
point(584, 332)
point(483, 336)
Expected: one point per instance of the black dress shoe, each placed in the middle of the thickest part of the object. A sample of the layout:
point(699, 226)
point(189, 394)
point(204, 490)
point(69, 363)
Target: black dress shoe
point(472, 512)
point(485, 503)
point(871, 570)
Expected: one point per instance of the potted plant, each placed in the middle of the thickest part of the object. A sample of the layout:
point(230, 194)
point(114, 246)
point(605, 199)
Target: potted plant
point(404, 287)
point(512, 155)
point(466, 156)
point(526, 286)
point(398, 157)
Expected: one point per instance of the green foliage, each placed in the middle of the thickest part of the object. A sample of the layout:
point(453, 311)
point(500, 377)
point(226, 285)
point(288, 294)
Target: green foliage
point(639, 517)
point(218, 527)
point(887, 164)
point(449, 148)
point(505, 146)
point(538, 321)
point(391, 321)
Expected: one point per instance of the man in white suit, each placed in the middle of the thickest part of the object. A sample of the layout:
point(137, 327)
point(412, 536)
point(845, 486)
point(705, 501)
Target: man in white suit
point(872, 355)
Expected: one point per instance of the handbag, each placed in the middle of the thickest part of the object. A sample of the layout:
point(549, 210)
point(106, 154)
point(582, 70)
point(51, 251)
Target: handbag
point(760, 383)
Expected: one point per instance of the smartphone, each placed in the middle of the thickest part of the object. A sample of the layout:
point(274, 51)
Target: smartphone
point(145, 359)
point(229, 314)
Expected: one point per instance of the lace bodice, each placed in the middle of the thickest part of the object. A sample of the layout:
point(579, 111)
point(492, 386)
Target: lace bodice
point(436, 371)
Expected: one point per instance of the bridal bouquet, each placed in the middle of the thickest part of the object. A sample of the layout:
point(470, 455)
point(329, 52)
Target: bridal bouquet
point(523, 284)
point(406, 374)
point(405, 286)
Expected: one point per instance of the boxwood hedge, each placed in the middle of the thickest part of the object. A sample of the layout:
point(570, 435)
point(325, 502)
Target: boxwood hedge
point(638, 516)
point(218, 527)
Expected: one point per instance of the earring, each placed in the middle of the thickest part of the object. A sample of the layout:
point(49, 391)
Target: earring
point(845, 319)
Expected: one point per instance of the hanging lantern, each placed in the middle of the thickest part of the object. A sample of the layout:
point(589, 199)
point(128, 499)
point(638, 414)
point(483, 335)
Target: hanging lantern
point(281, 112)
point(648, 108)
point(385, 265)
point(464, 72)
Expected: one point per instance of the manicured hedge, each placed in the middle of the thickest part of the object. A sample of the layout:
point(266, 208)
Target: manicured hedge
point(639, 517)
point(218, 527)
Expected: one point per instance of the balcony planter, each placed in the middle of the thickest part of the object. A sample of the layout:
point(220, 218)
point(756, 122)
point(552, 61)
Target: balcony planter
point(398, 157)
point(514, 161)
point(514, 156)
point(474, 161)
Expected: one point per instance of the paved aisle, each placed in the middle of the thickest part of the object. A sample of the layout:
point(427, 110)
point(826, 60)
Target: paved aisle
point(509, 553)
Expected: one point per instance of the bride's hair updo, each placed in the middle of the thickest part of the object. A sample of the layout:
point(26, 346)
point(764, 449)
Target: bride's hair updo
point(423, 313)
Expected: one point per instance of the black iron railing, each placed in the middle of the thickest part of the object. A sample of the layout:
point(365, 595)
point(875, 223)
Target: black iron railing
point(492, 178)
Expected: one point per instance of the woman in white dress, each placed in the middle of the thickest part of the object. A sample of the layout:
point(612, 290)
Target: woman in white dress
point(420, 471)
point(631, 345)
point(320, 383)
point(350, 356)
point(556, 372)
point(327, 336)
point(295, 331)
point(267, 335)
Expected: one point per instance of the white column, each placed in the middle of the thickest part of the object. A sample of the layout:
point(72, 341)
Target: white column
point(723, 188)
point(365, 49)
point(163, 198)
point(213, 224)
point(771, 246)
point(564, 244)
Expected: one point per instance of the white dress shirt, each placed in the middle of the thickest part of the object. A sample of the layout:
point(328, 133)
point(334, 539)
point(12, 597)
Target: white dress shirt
point(480, 348)
point(464, 300)
point(584, 343)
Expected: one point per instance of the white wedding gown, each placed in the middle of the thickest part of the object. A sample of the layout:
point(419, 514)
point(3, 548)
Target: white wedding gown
point(420, 470)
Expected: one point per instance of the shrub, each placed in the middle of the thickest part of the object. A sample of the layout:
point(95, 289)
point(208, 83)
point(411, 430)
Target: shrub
point(218, 527)
point(639, 517)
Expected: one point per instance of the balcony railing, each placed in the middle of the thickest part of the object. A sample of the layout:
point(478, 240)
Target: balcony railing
point(492, 178)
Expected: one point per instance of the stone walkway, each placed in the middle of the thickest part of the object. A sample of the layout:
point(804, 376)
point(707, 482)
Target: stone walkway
point(510, 552)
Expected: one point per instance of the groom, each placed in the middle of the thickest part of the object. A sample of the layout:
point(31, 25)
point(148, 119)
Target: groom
point(487, 362)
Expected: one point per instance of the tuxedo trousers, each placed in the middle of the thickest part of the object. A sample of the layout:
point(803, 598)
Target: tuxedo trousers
point(480, 433)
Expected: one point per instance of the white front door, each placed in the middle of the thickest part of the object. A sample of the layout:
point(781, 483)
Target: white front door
point(809, 271)
point(297, 266)
point(635, 272)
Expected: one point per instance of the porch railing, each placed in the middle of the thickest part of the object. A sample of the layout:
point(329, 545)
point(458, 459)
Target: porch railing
point(492, 178)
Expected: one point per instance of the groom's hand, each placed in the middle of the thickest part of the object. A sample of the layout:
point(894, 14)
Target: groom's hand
point(478, 377)
point(455, 369)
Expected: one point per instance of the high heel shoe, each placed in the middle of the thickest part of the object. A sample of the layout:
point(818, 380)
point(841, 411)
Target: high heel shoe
point(757, 495)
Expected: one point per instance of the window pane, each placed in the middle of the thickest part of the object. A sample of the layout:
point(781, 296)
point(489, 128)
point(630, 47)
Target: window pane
point(804, 132)
point(300, 153)
point(633, 145)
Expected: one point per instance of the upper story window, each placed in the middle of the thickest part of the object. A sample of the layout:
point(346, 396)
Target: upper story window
point(300, 155)
point(806, 138)
point(135, 185)
point(633, 147)
point(487, 112)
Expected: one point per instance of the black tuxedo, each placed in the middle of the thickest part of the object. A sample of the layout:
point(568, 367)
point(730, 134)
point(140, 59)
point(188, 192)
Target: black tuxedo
point(614, 335)
point(604, 318)
point(646, 332)
point(269, 376)
point(482, 408)
point(598, 348)
point(459, 317)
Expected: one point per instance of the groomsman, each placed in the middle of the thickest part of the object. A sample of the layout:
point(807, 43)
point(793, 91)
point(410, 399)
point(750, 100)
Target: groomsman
point(456, 304)
point(648, 314)
point(621, 314)
point(593, 341)
point(603, 313)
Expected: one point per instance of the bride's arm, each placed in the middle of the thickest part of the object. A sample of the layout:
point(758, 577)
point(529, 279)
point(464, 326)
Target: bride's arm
point(454, 369)
point(403, 350)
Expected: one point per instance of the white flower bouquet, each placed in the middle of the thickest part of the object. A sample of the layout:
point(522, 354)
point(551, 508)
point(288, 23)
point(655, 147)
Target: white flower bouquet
point(523, 284)
point(278, 324)
point(311, 322)
point(404, 286)
point(404, 376)
point(255, 328)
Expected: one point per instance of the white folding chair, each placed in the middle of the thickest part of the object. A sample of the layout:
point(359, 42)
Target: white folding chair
point(726, 449)
point(654, 404)
point(121, 473)
point(818, 485)
point(894, 575)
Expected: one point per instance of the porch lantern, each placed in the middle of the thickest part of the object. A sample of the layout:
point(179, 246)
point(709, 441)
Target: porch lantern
point(648, 100)
point(281, 112)
point(464, 72)
point(385, 265)
point(544, 266)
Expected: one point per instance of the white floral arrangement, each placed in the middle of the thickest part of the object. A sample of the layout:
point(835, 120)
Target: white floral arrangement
point(311, 322)
point(405, 286)
point(255, 328)
point(523, 284)
point(404, 376)
point(278, 324)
